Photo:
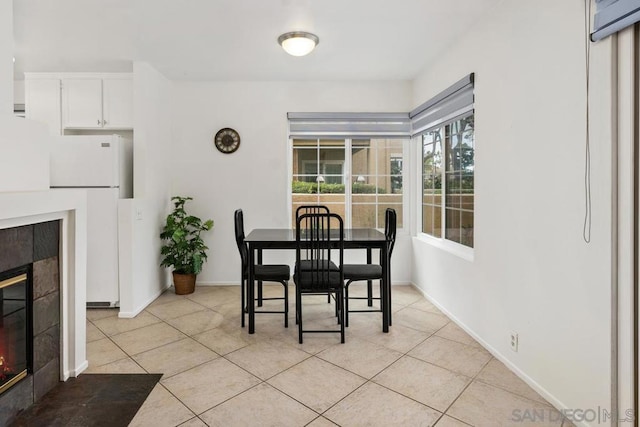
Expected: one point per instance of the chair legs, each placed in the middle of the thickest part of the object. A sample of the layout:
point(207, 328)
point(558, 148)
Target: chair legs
point(340, 314)
point(369, 299)
point(245, 303)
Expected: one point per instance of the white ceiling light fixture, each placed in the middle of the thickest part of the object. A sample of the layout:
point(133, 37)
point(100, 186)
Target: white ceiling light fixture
point(298, 43)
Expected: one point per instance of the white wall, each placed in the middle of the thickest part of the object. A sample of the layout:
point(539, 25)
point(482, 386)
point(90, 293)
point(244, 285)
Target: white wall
point(532, 271)
point(142, 279)
point(255, 178)
point(6, 56)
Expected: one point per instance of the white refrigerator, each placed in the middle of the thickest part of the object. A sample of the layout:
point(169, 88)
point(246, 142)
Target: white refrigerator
point(103, 165)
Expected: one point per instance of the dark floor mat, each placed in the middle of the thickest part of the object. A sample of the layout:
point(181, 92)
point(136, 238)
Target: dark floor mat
point(91, 400)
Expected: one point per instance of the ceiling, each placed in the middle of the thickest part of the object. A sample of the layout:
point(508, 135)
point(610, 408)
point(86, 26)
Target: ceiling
point(236, 39)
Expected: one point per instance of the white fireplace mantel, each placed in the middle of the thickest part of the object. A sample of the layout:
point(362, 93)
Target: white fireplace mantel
point(69, 206)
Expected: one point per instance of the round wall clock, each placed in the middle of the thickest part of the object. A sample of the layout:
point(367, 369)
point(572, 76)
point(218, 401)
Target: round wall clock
point(227, 140)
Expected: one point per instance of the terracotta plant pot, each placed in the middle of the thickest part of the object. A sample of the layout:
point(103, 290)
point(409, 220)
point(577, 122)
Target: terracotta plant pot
point(184, 283)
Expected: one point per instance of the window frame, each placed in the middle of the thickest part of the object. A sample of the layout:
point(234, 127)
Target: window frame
point(442, 242)
point(347, 174)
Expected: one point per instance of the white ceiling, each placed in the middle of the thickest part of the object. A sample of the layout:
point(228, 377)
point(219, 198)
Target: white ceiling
point(236, 39)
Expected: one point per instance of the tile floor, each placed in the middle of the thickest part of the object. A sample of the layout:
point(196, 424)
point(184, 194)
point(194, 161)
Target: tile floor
point(426, 371)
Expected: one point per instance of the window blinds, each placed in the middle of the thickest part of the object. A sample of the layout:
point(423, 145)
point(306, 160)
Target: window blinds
point(450, 104)
point(349, 125)
point(614, 15)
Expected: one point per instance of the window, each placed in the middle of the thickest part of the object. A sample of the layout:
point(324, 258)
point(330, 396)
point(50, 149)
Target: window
point(371, 166)
point(448, 181)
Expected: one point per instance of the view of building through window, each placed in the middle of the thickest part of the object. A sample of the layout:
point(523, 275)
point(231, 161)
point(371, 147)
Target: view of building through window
point(321, 173)
point(448, 158)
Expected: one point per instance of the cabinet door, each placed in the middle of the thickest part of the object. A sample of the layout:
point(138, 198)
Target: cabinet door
point(82, 103)
point(42, 102)
point(117, 103)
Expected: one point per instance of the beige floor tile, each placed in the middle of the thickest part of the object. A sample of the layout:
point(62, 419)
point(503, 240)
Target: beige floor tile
point(373, 405)
point(114, 325)
point(424, 382)
point(461, 358)
point(147, 338)
point(399, 338)
point(262, 406)
point(220, 341)
point(122, 366)
point(361, 357)
point(161, 409)
point(447, 421)
point(424, 305)
point(497, 374)
point(321, 422)
point(316, 383)
point(313, 343)
point(194, 422)
point(93, 333)
point(405, 294)
point(425, 321)
point(167, 296)
point(175, 357)
point(484, 405)
point(100, 313)
point(454, 332)
point(198, 322)
point(214, 296)
point(174, 309)
point(265, 360)
point(103, 351)
point(208, 385)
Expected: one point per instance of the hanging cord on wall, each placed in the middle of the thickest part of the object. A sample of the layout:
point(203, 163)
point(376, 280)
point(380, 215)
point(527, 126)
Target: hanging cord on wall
point(586, 228)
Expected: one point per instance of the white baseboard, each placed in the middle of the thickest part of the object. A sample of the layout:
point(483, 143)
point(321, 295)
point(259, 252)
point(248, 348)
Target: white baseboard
point(553, 400)
point(134, 313)
point(75, 372)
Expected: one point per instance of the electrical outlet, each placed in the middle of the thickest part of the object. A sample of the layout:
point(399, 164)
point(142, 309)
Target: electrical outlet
point(514, 341)
point(139, 214)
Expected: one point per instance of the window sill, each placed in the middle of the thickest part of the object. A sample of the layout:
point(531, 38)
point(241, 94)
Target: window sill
point(456, 249)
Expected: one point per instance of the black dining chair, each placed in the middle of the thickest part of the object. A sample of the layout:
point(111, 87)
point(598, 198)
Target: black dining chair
point(361, 272)
point(317, 234)
point(262, 273)
point(310, 209)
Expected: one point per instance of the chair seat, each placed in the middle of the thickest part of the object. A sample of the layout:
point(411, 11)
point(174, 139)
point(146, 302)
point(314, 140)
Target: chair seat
point(272, 272)
point(362, 271)
point(320, 281)
point(313, 265)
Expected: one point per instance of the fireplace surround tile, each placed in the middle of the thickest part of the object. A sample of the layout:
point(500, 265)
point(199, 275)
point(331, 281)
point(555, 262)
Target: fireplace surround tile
point(46, 347)
point(16, 399)
point(46, 240)
point(46, 278)
point(16, 247)
point(47, 311)
point(46, 378)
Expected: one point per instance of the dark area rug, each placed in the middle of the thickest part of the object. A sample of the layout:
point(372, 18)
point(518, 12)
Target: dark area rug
point(91, 400)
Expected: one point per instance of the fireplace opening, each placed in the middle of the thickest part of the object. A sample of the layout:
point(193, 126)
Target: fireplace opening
point(15, 326)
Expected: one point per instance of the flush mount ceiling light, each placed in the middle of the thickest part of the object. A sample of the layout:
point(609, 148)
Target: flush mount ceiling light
point(298, 43)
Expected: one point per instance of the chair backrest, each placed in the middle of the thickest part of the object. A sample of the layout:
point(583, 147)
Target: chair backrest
point(238, 218)
point(304, 209)
point(390, 224)
point(315, 240)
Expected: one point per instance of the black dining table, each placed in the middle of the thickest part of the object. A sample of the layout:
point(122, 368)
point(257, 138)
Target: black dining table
point(261, 239)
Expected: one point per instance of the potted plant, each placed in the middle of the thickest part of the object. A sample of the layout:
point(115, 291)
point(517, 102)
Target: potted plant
point(184, 249)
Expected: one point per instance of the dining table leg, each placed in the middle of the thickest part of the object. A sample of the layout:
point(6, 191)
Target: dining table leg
point(251, 291)
point(385, 296)
point(369, 282)
point(259, 281)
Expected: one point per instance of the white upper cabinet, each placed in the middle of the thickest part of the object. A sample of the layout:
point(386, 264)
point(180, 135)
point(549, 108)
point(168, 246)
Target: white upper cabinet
point(104, 102)
point(82, 103)
point(42, 102)
point(117, 103)
point(80, 100)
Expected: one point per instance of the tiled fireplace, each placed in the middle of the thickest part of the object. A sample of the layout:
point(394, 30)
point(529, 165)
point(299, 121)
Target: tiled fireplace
point(30, 317)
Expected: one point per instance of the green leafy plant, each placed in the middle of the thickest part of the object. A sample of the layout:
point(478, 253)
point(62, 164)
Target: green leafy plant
point(184, 249)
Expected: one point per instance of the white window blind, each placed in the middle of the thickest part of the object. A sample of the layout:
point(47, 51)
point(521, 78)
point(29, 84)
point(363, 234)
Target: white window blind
point(349, 125)
point(449, 105)
point(614, 15)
